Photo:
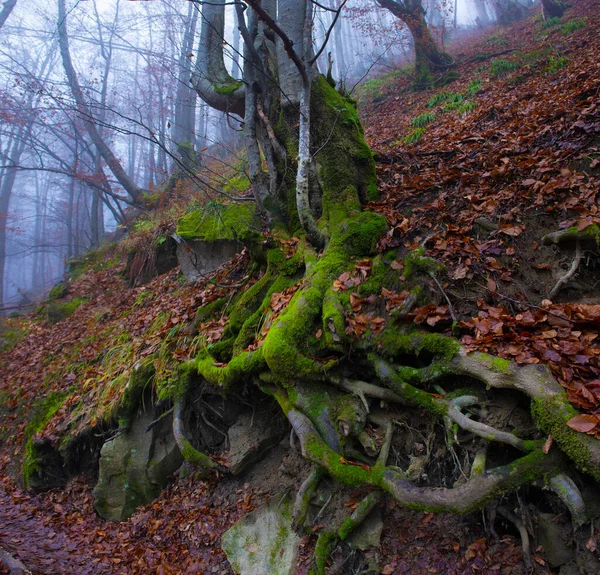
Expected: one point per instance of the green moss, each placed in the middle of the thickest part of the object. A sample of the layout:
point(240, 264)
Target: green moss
point(42, 412)
point(416, 262)
point(59, 291)
point(57, 311)
point(142, 376)
point(229, 88)
point(551, 416)
point(345, 165)
point(395, 342)
point(9, 337)
point(221, 222)
point(325, 545)
point(501, 365)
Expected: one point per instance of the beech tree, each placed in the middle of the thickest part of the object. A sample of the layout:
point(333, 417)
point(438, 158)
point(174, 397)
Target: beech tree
point(429, 56)
point(86, 114)
point(312, 174)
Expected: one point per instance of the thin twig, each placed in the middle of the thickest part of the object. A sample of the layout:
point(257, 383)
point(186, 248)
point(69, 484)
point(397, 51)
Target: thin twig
point(450, 308)
point(572, 271)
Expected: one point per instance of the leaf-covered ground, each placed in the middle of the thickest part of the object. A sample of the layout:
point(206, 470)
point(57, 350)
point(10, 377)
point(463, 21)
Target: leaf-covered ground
point(477, 172)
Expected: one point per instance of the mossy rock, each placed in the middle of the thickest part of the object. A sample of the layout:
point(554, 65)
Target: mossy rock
point(215, 222)
point(57, 311)
point(42, 464)
point(59, 291)
point(9, 337)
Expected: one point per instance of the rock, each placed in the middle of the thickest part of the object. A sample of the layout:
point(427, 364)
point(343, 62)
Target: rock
point(368, 534)
point(134, 468)
point(250, 437)
point(264, 541)
point(556, 538)
point(198, 257)
point(163, 261)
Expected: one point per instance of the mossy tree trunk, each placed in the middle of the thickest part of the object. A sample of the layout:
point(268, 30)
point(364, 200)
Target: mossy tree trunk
point(429, 56)
point(307, 360)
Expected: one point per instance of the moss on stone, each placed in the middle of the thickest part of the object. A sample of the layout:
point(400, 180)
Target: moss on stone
point(59, 291)
point(57, 311)
point(215, 222)
point(416, 262)
point(42, 412)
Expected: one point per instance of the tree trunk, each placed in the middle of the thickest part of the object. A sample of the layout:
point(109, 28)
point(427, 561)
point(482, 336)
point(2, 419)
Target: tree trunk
point(429, 57)
point(6, 10)
point(210, 78)
point(7, 182)
point(85, 113)
point(554, 8)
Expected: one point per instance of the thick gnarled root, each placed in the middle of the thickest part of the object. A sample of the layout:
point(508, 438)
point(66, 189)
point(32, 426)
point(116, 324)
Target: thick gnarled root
point(189, 452)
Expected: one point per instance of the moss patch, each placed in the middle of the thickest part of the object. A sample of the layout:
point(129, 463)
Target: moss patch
point(57, 311)
point(220, 222)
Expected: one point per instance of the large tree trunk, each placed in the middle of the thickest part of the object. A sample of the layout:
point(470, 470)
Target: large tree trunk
point(107, 154)
point(554, 8)
point(429, 57)
point(211, 79)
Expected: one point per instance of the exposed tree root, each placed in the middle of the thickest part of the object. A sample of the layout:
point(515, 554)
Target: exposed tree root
point(304, 495)
point(516, 521)
point(189, 452)
point(564, 280)
point(14, 566)
point(570, 495)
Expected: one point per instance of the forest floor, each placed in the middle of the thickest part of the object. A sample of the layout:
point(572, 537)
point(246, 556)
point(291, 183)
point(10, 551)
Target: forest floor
point(478, 175)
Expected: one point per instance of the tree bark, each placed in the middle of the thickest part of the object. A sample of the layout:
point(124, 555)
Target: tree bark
point(429, 57)
point(554, 8)
point(6, 10)
point(210, 79)
point(6, 187)
point(84, 111)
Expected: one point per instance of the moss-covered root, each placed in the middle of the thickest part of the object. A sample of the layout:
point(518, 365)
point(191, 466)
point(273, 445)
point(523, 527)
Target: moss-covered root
point(304, 495)
point(189, 452)
point(550, 407)
point(591, 233)
point(359, 514)
point(326, 543)
point(473, 494)
point(570, 495)
point(440, 407)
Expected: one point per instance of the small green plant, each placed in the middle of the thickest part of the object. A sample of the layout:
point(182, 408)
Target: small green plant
point(473, 87)
point(497, 40)
point(414, 136)
point(423, 120)
point(460, 108)
point(573, 25)
point(556, 63)
point(551, 22)
point(501, 68)
point(442, 97)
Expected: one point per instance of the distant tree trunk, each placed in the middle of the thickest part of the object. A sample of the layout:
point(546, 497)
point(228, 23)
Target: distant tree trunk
point(429, 57)
point(508, 11)
point(554, 8)
point(184, 128)
point(235, 57)
point(107, 154)
point(6, 10)
point(7, 181)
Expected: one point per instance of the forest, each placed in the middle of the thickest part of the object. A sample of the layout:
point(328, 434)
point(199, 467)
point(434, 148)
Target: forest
point(299, 287)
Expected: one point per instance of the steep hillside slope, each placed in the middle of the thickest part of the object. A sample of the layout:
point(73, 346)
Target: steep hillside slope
point(496, 177)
